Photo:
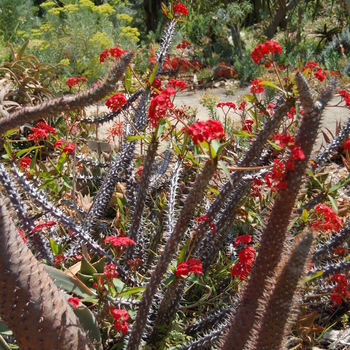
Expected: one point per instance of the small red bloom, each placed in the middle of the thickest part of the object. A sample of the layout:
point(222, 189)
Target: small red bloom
point(180, 84)
point(182, 269)
point(212, 227)
point(160, 105)
point(244, 239)
point(69, 147)
point(75, 81)
point(341, 290)
point(346, 146)
point(195, 266)
point(139, 171)
point(256, 87)
point(49, 129)
point(98, 284)
point(328, 221)
point(60, 258)
point(110, 271)
point(242, 105)
point(205, 131)
point(261, 51)
point(320, 74)
point(116, 241)
point(115, 52)
point(202, 218)
point(180, 9)
point(246, 261)
point(185, 44)
point(248, 125)
point(74, 301)
point(226, 104)
point(116, 102)
point(38, 135)
point(297, 153)
point(25, 162)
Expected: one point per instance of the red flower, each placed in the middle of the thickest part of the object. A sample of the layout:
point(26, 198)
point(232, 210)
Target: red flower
point(69, 147)
point(120, 317)
point(160, 105)
point(45, 224)
point(255, 188)
point(344, 93)
point(183, 45)
point(98, 284)
point(328, 220)
point(256, 87)
point(38, 135)
point(139, 171)
point(47, 128)
point(346, 146)
point(297, 153)
point(247, 125)
point(341, 290)
point(310, 65)
point(157, 84)
point(134, 263)
point(116, 130)
point(177, 84)
point(182, 269)
point(180, 9)
point(202, 218)
point(59, 259)
point(242, 105)
point(74, 81)
point(212, 227)
point(110, 271)
point(261, 51)
point(25, 162)
point(205, 131)
point(116, 102)
point(284, 140)
point(22, 234)
point(74, 301)
point(195, 266)
point(244, 239)
point(246, 261)
point(116, 241)
point(115, 52)
point(320, 74)
point(226, 104)
point(104, 55)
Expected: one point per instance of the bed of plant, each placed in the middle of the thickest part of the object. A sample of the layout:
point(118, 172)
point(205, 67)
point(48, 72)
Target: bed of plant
point(189, 234)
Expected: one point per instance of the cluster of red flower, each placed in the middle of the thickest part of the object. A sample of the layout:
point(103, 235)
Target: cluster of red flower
point(41, 132)
point(190, 266)
point(116, 130)
point(117, 241)
point(320, 74)
point(341, 290)
point(120, 318)
point(60, 258)
point(205, 131)
point(246, 258)
point(25, 162)
point(203, 218)
point(115, 52)
point(328, 220)
point(185, 44)
point(226, 104)
point(74, 81)
point(346, 96)
point(257, 87)
point(45, 224)
point(160, 105)
point(180, 9)
point(22, 234)
point(261, 51)
point(110, 271)
point(293, 112)
point(180, 84)
point(74, 301)
point(68, 146)
point(255, 188)
point(116, 102)
point(248, 126)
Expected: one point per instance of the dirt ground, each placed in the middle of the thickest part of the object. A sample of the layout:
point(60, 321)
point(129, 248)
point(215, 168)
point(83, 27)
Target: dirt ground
point(331, 115)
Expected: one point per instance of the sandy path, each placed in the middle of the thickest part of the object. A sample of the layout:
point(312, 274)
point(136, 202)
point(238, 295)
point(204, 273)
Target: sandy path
point(191, 98)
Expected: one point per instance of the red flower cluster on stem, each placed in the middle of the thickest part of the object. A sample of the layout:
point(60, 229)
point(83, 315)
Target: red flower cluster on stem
point(246, 259)
point(328, 221)
point(180, 9)
point(205, 131)
point(75, 81)
point(74, 301)
point(185, 44)
point(341, 290)
point(116, 102)
point(115, 52)
point(110, 271)
point(25, 162)
point(180, 84)
point(261, 51)
point(226, 104)
point(68, 147)
point(120, 318)
point(257, 87)
point(160, 105)
point(190, 266)
point(346, 96)
point(116, 241)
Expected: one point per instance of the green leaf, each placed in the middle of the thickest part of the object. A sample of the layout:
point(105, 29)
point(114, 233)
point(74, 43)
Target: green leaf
point(305, 216)
point(22, 49)
point(54, 247)
point(166, 10)
point(223, 166)
point(242, 134)
point(177, 149)
point(128, 79)
point(131, 291)
point(310, 278)
point(217, 146)
point(267, 83)
point(84, 278)
point(68, 283)
point(10, 132)
point(334, 203)
point(182, 253)
point(153, 75)
point(89, 323)
point(338, 185)
point(8, 150)
point(99, 265)
point(54, 166)
point(169, 280)
point(195, 279)
point(118, 284)
point(274, 145)
point(86, 267)
point(133, 138)
point(251, 98)
point(4, 329)
point(60, 162)
point(214, 190)
point(160, 128)
point(67, 182)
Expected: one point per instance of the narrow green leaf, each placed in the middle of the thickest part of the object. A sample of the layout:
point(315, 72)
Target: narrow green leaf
point(86, 267)
point(27, 150)
point(250, 98)
point(338, 185)
point(312, 277)
point(195, 279)
point(267, 83)
point(169, 280)
point(22, 49)
point(8, 149)
point(133, 138)
point(160, 128)
point(274, 145)
point(54, 246)
point(10, 132)
point(61, 160)
point(214, 190)
point(67, 182)
point(305, 216)
point(242, 134)
point(182, 253)
point(54, 165)
point(223, 166)
point(131, 291)
point(334, 203)
point(128, 79)
point(153, 75)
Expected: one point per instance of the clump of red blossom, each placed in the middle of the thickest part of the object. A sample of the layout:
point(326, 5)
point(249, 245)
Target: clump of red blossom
point(45, 224)
point(257, 87)
point(60, 258)
point(205, 131)
point(68, 147)
point(180, 9)
point(246, 258)
point(117, 241)
point(293, 112)
point(75, 81)
point(110, 271)
point(185, 44)
point(180, 84)
point(115, 52)
point(41, 132)
point(190, 266)
point(160, 105)
point(74, 301)
point(226, 104)
point(346, 96)
point(116, 102)
point(120, 318)
point(320, 74)
point(341, 290)
point(25, 162)
point(262, 51)
point(328, 221)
